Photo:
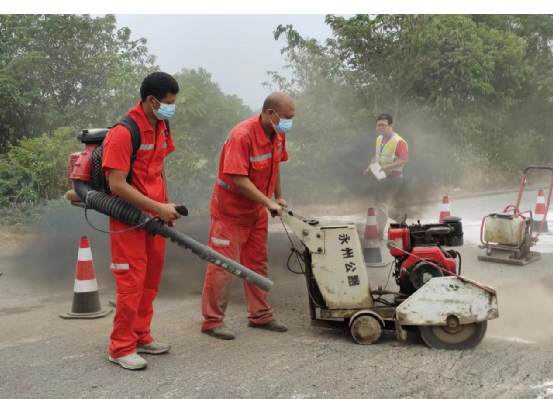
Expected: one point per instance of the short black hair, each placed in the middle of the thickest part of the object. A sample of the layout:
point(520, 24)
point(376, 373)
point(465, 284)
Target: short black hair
point(158, 84)
point(385, 117)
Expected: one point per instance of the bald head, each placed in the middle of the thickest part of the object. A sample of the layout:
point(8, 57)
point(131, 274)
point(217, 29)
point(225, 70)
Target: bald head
point(278, 106)
point(280, 103)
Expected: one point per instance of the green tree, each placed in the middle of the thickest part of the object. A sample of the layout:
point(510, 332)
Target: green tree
point(465, 91)
point(36, 169)
point(65, 70)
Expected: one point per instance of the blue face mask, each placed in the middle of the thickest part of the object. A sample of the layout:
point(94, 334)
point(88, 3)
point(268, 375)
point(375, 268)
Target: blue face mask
point(283, 126)
point(165, 110)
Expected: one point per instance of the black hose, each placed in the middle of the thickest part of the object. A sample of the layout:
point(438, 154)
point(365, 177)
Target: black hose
point(437, 231)
point(288, 263)
point(110, 206)
point(130, 214)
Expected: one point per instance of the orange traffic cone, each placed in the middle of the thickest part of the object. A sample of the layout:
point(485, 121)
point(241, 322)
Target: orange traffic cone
point(445, 210)
point(540, 214)
point(371, 245)
point(86, 299)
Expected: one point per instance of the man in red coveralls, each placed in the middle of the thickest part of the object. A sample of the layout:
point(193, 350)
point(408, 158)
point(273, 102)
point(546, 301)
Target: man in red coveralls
point(137, 258)
point(248, 177)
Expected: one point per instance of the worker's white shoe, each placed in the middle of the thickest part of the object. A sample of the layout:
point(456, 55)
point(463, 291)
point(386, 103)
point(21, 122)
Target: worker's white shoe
point(154, 348)
point(130, 362)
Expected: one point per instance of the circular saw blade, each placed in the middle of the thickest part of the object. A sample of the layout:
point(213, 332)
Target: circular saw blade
point(462, 337)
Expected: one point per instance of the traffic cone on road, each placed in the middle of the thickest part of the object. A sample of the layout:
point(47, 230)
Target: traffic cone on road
point(371, 244)
point(86, 299)
point(540, 214)
point(445, 210)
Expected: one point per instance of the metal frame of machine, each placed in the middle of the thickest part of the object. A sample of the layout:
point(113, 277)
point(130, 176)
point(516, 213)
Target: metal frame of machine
point(451, 312)
point(507, 237)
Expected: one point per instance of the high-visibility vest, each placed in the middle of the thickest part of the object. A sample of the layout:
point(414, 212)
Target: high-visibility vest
point(386, 154)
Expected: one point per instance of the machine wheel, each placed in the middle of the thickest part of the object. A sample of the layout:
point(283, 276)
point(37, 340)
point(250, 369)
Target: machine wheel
point(454, 336)
point(365, 330)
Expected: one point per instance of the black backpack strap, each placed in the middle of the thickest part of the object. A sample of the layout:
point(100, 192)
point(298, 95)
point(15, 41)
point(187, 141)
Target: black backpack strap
point(167, 126)
point(136, 139)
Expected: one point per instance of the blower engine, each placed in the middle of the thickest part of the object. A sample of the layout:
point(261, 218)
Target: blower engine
point(84, 175)
point(417, 250)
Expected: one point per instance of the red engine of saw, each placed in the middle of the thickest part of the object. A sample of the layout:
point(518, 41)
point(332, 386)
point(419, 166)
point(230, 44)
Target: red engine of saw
point(417, 250)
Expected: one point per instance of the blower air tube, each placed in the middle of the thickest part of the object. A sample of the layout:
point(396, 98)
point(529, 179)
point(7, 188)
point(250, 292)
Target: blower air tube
point(130, 214)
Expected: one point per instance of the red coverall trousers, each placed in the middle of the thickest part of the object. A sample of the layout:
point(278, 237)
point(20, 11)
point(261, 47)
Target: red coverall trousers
point(248, 246)
point(137, 262)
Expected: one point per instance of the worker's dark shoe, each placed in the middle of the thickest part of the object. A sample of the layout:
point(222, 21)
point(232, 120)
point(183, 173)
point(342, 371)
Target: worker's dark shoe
point(130, 362)
point(273, 325)
point(221, 332)
point(153, 348)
